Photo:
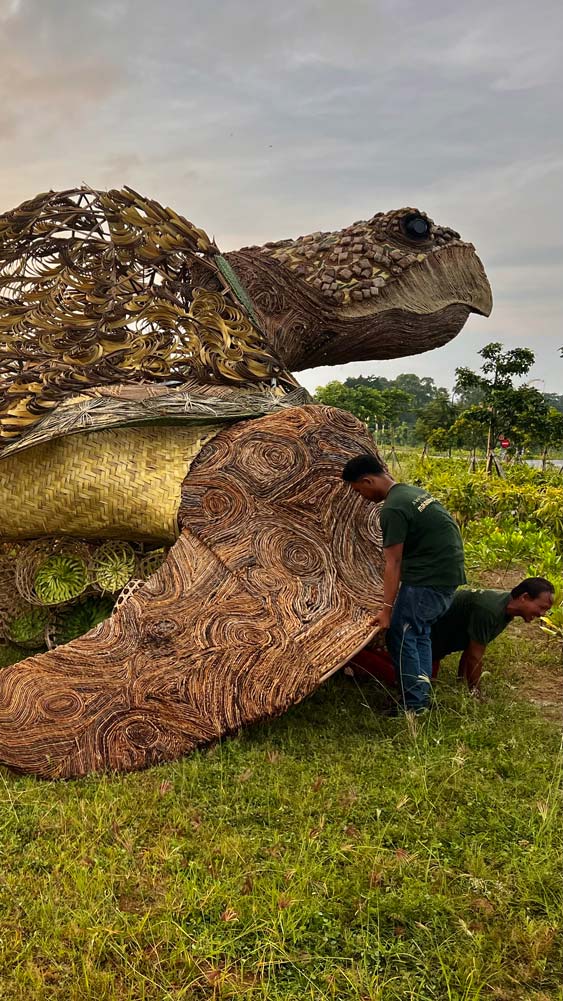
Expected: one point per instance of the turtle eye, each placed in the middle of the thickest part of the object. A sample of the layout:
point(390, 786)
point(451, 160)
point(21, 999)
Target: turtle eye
point(417, 227)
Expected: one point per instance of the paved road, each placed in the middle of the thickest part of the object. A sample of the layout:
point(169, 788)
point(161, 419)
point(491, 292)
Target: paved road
point(536, 463)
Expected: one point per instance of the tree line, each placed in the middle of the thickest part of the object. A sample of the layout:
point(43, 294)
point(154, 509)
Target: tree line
point(485, 407)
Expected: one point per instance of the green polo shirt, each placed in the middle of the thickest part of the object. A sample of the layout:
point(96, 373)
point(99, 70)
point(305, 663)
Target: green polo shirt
point(432, 546)
point(478, 615)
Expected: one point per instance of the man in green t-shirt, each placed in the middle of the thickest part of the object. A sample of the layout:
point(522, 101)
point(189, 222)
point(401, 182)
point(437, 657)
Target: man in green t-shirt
point(477, 616)
point(424, 555)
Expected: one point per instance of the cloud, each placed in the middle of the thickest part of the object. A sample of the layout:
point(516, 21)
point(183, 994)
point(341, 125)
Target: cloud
point(122, 163)
point(74, 85)
point(52, 73)
point(9, 9)
point(260, 120)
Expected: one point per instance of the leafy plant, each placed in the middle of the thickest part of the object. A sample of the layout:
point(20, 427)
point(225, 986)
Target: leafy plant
point(28, 628)
point(10, 654)
point(552, 624)
point(78, 619)
point(528, 494)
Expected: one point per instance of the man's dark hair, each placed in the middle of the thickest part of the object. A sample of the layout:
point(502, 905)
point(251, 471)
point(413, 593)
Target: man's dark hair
point(534, 586)
point(362, 465)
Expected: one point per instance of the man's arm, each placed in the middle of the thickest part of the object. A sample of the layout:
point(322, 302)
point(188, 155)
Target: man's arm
point(471, 665)
point(391, 580)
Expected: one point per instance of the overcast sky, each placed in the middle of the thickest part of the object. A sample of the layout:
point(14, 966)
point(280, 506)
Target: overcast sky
point(261, 120)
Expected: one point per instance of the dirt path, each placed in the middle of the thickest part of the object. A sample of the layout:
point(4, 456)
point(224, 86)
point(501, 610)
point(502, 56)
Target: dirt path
point(542, 685)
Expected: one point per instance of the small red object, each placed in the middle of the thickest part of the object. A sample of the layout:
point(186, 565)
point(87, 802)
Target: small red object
point(378, 664)
point(504, 442)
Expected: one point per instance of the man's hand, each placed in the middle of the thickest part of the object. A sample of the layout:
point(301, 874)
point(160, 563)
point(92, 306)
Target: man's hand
point(471, 665)
point(383, 618)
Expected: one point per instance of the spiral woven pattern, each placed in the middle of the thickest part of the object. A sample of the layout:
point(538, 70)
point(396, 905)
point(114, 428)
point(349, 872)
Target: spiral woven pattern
point(274, 583)
point(35, 555)
point(112, 566)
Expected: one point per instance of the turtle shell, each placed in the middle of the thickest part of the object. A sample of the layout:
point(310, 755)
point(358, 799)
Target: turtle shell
point(103, 288)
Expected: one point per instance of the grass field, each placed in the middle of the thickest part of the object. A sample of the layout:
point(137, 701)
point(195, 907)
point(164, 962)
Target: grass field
point(333, 853)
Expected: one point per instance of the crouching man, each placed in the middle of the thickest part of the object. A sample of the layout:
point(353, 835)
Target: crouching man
point(424, 556)
point(477, 616)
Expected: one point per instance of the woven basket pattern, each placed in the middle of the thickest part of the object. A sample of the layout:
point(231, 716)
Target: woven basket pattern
point(112, 566)
point(124, 483)
point(10, 600)
point(31, 557)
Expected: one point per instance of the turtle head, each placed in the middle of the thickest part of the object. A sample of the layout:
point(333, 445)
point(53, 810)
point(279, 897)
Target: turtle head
point(397, 284)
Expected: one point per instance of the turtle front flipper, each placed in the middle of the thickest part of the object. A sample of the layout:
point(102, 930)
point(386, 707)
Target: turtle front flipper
point(272, 585)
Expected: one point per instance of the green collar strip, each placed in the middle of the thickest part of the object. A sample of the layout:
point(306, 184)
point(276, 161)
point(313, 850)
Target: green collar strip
point(231, 277)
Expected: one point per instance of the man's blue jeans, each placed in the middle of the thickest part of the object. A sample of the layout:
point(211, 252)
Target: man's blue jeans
point(408, 640)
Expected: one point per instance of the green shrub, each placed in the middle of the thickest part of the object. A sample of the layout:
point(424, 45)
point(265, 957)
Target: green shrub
point(27, 629)
point(78, 619)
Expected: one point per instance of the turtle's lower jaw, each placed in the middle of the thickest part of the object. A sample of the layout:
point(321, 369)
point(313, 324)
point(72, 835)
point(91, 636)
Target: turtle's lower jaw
point(424, 309)
point(398, 333)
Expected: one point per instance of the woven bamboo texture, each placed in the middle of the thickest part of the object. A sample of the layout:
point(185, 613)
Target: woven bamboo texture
point(120, 484)
point(274, 582)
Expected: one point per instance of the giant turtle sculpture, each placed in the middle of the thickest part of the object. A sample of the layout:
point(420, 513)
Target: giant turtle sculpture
point(146, 393)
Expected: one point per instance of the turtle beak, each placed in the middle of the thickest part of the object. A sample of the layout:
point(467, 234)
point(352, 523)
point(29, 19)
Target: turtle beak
point(453, 275)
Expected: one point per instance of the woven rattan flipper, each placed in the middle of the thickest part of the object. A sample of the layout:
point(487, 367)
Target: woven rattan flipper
point(274, 581)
